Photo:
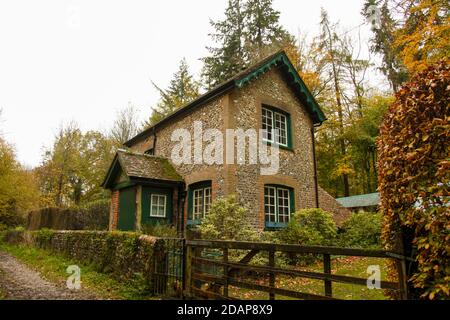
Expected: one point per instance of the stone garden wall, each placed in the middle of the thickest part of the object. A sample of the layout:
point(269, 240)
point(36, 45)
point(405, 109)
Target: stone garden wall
point(123, 255)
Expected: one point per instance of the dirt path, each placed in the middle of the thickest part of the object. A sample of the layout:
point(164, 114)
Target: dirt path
point(19, 282)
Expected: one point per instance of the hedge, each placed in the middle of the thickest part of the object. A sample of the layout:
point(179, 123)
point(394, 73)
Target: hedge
point(414, 175)
point(94, 216)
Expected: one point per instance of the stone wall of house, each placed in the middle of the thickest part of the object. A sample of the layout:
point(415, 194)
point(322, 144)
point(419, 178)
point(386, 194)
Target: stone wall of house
point(241, 109)
point(296, 166)
point(329, 204)
point(211, 116)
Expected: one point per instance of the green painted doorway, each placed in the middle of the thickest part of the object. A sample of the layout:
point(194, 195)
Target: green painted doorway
point(127, 209)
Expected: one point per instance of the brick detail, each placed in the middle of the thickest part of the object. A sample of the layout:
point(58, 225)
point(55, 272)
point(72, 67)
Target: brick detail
point(329, 204)
point(114, 211)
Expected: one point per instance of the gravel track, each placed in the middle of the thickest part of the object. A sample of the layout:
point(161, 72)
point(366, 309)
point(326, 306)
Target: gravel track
point(19, 282)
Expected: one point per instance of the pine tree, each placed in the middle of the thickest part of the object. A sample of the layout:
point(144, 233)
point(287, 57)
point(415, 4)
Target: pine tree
point(262, 28)
point(182, 90)
point(249, 32)
point(383, 43)
point(229, 57)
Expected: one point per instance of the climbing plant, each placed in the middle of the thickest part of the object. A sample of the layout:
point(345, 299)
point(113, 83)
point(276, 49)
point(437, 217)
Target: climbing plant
point(414, 179)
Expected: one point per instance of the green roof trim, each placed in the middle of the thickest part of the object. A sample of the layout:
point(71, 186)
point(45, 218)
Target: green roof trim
point(364, 200)
point(277, 60)
point(281, 60)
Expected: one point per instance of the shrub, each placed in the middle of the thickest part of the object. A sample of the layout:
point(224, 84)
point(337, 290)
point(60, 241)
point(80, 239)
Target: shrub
point(94, 215)
point(414, 175)
point(310, 227)
point(44, 236)
point(227, 220)
point(361, 230)
point(10, 220)
point(160, 230)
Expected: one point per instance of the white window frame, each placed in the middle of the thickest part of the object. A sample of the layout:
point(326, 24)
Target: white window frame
point(272, 196)
point(280, 134)
point(158, 205)
point(277, 204)
point(204, 195)
point(197, 207)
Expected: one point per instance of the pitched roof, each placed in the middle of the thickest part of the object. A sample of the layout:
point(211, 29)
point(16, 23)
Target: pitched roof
point(141, 166)
point(364, 200)
point(278, 60)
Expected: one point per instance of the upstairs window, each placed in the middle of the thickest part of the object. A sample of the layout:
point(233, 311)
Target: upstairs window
point(278, 205)
point(273, 119)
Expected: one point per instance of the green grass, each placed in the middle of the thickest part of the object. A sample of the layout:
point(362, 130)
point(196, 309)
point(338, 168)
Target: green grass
point(53, 268)
point(356, 267)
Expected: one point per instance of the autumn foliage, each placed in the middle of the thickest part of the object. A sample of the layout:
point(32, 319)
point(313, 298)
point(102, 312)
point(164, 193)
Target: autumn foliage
point(414, 178)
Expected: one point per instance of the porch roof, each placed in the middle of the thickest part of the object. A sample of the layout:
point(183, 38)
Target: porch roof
point(140, 166)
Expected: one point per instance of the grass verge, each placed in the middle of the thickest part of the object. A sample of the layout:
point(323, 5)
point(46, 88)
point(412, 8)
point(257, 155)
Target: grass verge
point(53, 268)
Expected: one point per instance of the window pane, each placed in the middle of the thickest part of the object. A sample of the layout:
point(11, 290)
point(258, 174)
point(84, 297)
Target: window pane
point(158, 205)
point(198, 204)
point(283, 205)
point(269, 204)
point(281, 129)
point(207, 200)
point(267, 124)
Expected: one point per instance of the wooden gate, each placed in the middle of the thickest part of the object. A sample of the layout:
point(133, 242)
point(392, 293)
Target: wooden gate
point(213, 268)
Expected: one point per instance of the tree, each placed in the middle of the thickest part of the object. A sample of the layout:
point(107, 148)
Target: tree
point(422, 38)
point(332, 58)
point(18, 188)
point(249, 32)
point(73, 169)
point(182, 90)
point(362, 135)
point(412, 35)
point(125, 126)
point(262, 28)
point(229, 57)
point(383, 43)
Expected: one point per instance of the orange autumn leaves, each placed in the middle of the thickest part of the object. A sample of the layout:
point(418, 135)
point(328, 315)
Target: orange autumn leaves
point(414, 180)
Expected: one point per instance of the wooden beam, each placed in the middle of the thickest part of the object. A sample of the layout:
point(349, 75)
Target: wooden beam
point(299, 273)
point(288, 248)
point(327, 271)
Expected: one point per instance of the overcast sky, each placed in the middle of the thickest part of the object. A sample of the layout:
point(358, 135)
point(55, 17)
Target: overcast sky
point(83, 60)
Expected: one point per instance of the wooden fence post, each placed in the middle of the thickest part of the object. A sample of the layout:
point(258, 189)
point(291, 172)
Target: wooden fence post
point(327, 270)
point(188, 272)
point(225, 272)
point(272, 274)
point(401, 271)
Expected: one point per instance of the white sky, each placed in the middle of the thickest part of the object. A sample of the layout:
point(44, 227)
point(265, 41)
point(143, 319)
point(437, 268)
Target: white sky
point(55, 68)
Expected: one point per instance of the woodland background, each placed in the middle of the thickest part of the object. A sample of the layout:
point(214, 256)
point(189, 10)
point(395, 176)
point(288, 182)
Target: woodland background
point(412, 35)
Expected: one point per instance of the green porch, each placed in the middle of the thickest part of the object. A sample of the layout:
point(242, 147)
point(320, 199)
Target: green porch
point(145, 191)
